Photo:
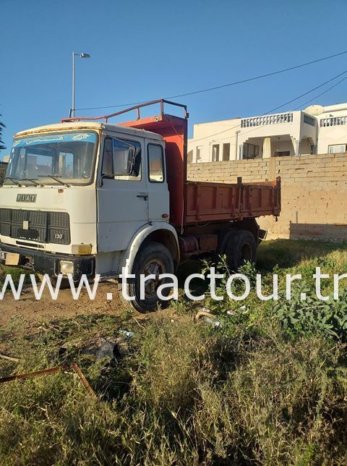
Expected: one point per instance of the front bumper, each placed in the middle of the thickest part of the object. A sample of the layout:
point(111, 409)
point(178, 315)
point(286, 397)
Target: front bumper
point(49, 263)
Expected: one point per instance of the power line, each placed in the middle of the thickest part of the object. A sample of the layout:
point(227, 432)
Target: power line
point(322, 93)
point(234, 83)
point(308, 92)
point(284, 104)
point(266, 75)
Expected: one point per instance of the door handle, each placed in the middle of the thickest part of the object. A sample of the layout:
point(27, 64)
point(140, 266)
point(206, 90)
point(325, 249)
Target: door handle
point(144, 196)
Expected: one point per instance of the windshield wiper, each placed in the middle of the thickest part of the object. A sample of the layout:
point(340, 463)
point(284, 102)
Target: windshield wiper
point(53, 178)
point(14, 181)
point(32, 180)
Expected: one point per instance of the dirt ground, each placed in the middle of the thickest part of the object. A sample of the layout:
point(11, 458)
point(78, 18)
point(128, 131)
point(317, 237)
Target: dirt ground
point(30, 311)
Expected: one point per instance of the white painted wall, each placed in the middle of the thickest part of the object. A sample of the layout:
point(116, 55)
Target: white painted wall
point(331, 136)
point(205, 135)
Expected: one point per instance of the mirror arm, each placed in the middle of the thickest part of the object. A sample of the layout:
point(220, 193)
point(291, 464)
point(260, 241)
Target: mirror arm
point(105, 177)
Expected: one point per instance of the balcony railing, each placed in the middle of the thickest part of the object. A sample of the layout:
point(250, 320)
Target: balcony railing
point(333, 121)
point(267, 120)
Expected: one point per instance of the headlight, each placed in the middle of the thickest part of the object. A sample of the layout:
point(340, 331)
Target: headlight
point(66, 267)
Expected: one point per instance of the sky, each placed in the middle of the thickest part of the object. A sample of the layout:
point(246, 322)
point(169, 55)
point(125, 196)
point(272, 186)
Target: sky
point(143, 50)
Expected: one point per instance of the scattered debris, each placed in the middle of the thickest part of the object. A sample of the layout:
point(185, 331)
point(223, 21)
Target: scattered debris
point(84, 381)
point(106, 349)
point(126, 333)
point(98, 347)
point(213, 322)
point(9, 358)
point(31, 375)
point(49, 371)
point(208, 317)
point(204, 312)
point(138, 323)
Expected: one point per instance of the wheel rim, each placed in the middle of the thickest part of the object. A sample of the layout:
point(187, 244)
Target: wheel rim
point(153, 267)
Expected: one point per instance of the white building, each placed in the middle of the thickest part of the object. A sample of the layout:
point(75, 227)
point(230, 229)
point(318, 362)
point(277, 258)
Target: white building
point(315, 130)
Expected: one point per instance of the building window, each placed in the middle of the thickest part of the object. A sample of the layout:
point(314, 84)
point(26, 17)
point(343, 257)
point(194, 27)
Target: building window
point(226, 151)
point(250, 151)
point(309, 120)
point(282, 153)
point(198, 154)
point(190, 156)
point(215, 153)
point(337, 148)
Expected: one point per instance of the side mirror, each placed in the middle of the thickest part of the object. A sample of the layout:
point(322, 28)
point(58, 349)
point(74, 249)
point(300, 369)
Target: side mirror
point(132, 165)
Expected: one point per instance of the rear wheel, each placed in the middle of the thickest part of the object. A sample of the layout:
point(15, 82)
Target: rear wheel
point(153, 259)
point(239, 247)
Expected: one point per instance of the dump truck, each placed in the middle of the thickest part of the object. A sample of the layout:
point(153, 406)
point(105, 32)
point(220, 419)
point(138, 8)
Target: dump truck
point(94, 198)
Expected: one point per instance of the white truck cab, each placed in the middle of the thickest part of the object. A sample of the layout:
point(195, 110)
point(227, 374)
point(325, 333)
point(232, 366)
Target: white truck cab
point(81, 198)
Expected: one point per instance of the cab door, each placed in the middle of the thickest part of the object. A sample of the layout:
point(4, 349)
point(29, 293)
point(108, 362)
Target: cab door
point(159, 202)
point(122, 193)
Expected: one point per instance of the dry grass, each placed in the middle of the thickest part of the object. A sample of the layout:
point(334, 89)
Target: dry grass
point(184, 394)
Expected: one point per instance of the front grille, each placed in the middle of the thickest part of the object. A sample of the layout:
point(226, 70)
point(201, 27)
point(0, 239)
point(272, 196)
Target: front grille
point(42, 227)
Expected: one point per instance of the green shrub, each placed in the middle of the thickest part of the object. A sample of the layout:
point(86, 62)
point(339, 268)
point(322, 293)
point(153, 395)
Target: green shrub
point(313, 316)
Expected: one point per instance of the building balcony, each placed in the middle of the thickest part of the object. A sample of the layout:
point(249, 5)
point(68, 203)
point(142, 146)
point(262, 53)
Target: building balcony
point(333, 121)
point(275, 119)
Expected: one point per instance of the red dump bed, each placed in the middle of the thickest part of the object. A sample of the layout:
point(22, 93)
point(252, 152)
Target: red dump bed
point(195, 202)
point(215, 202)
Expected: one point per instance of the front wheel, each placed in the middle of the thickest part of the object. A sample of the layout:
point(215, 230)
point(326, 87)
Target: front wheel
point(152, 259)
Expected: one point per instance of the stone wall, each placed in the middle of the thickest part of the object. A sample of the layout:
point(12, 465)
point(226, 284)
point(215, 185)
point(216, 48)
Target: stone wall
point(314, 192)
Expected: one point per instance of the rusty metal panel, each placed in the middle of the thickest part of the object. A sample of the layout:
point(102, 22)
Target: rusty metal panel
point(208, 202)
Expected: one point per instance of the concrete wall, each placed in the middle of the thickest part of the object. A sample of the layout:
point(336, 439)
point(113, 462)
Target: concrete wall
point(314, 192)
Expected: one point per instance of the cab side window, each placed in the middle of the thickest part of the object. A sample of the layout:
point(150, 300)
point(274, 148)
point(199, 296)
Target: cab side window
point(121, 159)
point(155, 163)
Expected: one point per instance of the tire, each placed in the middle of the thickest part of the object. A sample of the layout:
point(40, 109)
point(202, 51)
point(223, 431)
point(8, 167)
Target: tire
point(227, 248)
point(240, 247)
point(153, 258)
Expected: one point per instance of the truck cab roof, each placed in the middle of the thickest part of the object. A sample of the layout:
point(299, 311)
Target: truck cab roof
point(88, 125)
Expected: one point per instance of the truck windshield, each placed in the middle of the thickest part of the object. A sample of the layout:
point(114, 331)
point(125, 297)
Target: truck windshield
point(64, 158)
